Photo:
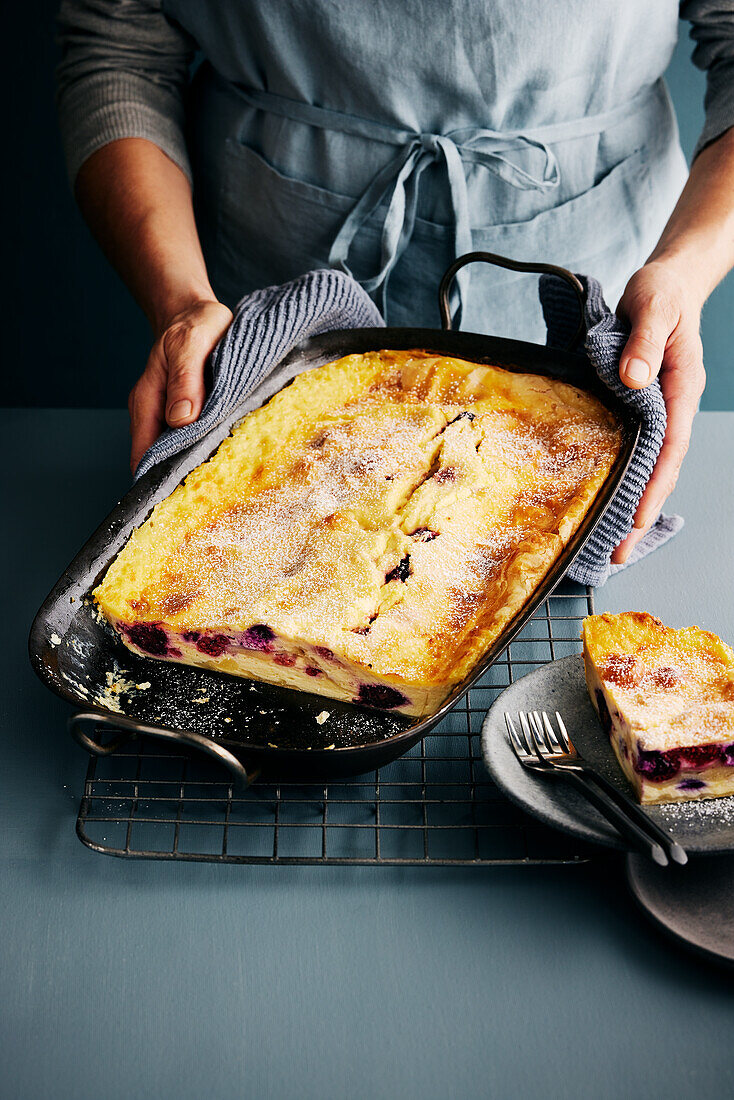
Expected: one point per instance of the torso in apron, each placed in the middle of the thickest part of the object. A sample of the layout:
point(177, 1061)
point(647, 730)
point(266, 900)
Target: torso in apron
point(387, 138)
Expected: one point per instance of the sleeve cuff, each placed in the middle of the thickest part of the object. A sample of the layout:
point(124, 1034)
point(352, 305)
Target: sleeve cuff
point(719, 103)
point(110, 105)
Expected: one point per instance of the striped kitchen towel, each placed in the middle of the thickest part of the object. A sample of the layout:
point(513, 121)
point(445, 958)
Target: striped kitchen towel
point(606, 336)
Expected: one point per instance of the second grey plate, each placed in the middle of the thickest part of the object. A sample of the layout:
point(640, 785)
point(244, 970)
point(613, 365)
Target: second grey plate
point(695, 903)
point(706, 826)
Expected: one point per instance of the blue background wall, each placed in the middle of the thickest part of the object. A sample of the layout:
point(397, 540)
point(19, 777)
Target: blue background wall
point(71, 334)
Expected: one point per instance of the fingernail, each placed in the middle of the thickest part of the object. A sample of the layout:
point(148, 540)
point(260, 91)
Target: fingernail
point(638, 371)
point(180, 410)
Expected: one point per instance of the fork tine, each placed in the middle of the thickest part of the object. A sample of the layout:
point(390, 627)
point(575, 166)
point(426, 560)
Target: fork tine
point(515, 740)
point(532, 750)
point(551, 734)
point(540, 746)
point(540, 732)
point(567, 742)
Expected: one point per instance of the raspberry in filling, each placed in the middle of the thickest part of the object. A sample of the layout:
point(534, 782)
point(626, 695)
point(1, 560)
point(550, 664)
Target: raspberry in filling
point(697, 756)
point(213, 645)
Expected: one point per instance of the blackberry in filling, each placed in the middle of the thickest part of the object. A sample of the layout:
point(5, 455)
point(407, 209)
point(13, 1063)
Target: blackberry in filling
point(604, 715)
point(691, 785)
point(148, 637)
point(259, 636)
point(656, 766)
point(424, 534)
point(380, 696)
point(401, 572)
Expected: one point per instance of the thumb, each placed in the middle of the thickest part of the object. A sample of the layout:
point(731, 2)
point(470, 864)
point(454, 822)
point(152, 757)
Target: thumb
point(186, 351)
point(187, 344)
point(643, 353)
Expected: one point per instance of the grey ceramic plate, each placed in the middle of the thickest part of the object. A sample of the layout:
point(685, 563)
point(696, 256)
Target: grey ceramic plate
point(694, 903)
point(704, 827)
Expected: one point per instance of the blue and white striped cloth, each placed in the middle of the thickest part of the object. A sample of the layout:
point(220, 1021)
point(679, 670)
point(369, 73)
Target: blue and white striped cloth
point(606, 336)
point(270, 322)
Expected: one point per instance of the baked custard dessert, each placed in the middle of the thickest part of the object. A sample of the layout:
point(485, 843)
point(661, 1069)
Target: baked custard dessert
point(367, 533)
point(666, 699)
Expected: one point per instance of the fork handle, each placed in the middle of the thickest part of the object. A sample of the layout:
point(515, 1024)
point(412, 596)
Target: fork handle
point(673, 849)
point(639, 838)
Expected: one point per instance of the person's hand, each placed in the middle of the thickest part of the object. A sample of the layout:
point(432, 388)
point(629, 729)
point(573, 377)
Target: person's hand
point(664, 314)
point(171, 388)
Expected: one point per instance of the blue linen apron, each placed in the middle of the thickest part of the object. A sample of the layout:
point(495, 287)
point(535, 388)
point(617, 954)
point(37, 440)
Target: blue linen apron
point(366, 137)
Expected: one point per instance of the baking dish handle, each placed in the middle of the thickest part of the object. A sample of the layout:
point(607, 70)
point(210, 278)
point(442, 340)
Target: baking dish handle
point(127, 729)
point(513, 265)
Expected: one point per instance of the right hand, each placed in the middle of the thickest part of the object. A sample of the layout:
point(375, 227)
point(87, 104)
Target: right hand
point(171, 388)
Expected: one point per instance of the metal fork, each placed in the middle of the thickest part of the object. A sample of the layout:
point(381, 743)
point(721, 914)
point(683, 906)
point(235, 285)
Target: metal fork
point(543, 748)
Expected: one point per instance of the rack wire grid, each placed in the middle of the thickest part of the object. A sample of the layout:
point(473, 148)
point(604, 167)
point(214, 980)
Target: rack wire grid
point(435, 806)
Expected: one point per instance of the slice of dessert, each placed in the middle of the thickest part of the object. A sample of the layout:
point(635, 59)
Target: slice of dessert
point(665, 697)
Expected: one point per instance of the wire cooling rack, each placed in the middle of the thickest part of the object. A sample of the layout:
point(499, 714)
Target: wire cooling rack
point(435, 806)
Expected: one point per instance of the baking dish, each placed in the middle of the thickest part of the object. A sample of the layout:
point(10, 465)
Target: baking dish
point(253, 725)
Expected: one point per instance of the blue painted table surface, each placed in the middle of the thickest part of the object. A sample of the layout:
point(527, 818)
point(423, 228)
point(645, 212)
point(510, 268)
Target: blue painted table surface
point(135, 980)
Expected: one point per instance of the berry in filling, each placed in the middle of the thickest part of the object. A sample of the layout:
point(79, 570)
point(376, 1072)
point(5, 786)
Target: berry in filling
point(259, 636)
point(380, 696)
point(604, 715)
point(148, 637)
point(424, 534)
point(401, 572)
point(656, 766)
point(213, 645)
point(691, 785)
point(697, 756)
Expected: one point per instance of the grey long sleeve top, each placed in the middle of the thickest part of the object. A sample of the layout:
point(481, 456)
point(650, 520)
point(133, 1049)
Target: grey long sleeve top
point(125, 63)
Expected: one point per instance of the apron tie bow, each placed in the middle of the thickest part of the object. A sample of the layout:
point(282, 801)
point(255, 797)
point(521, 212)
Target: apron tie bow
point(397, 185)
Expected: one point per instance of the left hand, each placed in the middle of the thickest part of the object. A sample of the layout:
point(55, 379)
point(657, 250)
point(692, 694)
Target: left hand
point(664, 315)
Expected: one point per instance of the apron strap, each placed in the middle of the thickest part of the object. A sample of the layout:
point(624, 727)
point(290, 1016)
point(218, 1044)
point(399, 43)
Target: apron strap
point(396, 185)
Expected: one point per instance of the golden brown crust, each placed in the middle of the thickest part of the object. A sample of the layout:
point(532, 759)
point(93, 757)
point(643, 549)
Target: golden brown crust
point(396, 507)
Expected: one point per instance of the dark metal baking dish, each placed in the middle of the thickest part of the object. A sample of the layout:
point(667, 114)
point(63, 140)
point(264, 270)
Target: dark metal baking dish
point(252, 725)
